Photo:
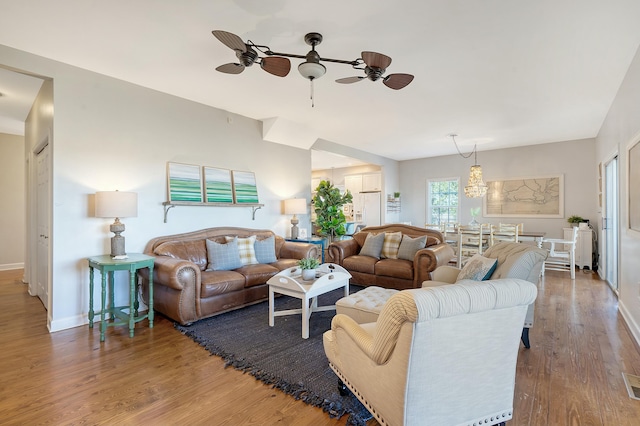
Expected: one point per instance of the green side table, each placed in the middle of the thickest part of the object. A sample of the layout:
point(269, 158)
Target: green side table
point(107, 266)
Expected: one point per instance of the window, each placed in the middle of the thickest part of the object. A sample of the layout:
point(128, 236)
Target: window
point(442, 200)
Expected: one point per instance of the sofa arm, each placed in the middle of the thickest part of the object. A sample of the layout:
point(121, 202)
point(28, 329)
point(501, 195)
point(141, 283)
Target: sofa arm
point(443, 274)
point(174, 273)
point(340, 250)
point(176, 288)
point(428, 259)
point(294, 250)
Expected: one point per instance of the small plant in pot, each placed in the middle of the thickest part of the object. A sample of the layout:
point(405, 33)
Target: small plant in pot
point(308, 266)
point(575, 220)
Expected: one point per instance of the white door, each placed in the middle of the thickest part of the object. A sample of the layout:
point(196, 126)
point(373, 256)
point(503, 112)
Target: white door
point(42, 208)
point(610, 223)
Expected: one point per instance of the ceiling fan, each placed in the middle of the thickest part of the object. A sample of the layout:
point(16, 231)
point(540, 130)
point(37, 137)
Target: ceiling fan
point(276, 63)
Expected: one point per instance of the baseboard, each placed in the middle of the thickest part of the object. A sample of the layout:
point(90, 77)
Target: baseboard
point(69, 322)
point(633, 327)
point(11, 266)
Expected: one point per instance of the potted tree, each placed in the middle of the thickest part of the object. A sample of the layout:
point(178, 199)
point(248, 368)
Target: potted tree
point(327, 204)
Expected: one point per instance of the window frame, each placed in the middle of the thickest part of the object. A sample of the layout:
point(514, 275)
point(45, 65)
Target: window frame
point(429, 218)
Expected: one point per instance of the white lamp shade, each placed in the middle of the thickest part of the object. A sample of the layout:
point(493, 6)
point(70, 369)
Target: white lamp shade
point(295, 206)
point(116, 204)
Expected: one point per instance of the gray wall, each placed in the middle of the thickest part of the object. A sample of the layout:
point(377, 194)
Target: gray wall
point(573, 159)
point(12, 199)
point(620, 129)
point(108, 135)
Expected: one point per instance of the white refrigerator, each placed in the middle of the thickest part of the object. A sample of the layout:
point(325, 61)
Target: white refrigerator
point(367, 208)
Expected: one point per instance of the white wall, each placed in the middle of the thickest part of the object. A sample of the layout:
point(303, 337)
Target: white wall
point(573, 159)
point(109, 134)
point(388, 167)
point(12, 202)
point(619, 130)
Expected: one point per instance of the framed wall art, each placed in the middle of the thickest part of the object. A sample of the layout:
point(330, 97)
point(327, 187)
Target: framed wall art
point(184, 182)
point(244, 187)
point(541, 197)
point(217, 185)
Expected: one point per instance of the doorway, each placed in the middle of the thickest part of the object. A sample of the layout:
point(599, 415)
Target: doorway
point(610, 223)
point(42, 223)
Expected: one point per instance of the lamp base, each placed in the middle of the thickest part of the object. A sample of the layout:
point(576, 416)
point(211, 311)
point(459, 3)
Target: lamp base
point(294, 228)
point(117, 241)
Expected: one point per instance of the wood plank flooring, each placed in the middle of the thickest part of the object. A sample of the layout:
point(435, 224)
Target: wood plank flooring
point(572, 375)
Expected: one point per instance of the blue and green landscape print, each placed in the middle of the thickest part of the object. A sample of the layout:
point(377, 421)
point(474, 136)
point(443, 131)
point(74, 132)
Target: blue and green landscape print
point(244, 187)
point(185, 183)
point(217, 184)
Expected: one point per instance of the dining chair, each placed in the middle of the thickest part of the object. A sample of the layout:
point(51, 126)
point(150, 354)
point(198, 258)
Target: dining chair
point(562, 254)
point(436, 226)
point(506, 232)
point(472, 240)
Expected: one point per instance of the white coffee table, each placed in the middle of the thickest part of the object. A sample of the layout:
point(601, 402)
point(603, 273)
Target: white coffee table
point(290, 283)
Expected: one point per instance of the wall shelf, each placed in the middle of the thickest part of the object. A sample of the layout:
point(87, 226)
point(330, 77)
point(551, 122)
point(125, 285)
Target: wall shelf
point(171, 204)
point(393, 205)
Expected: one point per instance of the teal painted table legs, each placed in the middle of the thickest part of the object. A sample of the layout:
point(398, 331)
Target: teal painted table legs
point(117, 315)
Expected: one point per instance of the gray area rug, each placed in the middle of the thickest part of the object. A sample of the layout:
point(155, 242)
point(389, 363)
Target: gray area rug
point(278, 355)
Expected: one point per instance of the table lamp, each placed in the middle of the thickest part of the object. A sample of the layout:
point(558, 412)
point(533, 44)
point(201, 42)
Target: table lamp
point(295, 206)
point(117, 204)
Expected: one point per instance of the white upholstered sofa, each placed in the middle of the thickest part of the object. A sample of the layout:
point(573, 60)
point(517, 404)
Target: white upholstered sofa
point(515, 260)
point(443, 355)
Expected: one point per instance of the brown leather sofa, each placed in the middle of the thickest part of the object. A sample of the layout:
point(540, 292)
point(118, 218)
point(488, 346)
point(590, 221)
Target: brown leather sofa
point(185, 291)
point(391, 273)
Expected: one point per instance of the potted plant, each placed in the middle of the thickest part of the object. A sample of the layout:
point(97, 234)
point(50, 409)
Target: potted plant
point(475, 211)
point(327, 204)
point(308, 266)
point(575, 220)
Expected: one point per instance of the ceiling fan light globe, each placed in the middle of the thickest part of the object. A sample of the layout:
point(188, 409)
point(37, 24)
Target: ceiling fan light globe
point(311, 70)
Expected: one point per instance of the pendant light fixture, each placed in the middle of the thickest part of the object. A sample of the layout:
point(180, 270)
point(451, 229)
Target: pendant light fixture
point(476, 187)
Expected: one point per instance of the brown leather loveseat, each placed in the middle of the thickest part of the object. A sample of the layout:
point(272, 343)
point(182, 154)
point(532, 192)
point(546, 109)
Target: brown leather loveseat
point(190, 283)
point(405, 268)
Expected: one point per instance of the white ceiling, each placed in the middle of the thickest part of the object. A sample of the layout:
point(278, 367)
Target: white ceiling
point(500, 73)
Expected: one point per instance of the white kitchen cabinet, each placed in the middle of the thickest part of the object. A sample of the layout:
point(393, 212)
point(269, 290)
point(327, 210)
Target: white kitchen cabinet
point(584, 247)
point(371, 182)
point(353, 183)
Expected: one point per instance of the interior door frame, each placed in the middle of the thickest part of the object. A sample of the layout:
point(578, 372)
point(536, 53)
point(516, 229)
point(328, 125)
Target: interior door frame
point(610, 224)
point(32, 258)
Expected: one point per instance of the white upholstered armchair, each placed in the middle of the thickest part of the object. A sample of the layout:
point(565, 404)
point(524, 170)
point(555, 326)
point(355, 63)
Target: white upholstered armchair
point(436, 356)
point(515, 260)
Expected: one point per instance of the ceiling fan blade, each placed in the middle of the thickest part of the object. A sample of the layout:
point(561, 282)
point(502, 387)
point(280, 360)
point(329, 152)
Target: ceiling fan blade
point(230, 40)
point(231, 68)
point(349, 80)
point(377, 60)
point(276, 65)
point(397, 81)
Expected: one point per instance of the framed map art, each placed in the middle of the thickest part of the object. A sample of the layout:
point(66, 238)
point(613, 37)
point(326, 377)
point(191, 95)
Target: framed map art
point(541, 197)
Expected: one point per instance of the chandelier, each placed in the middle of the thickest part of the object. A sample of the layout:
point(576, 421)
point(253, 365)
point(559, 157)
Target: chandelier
point(476, 187)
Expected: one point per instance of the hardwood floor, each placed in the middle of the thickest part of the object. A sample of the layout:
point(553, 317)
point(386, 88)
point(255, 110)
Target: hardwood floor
point(572, 375)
